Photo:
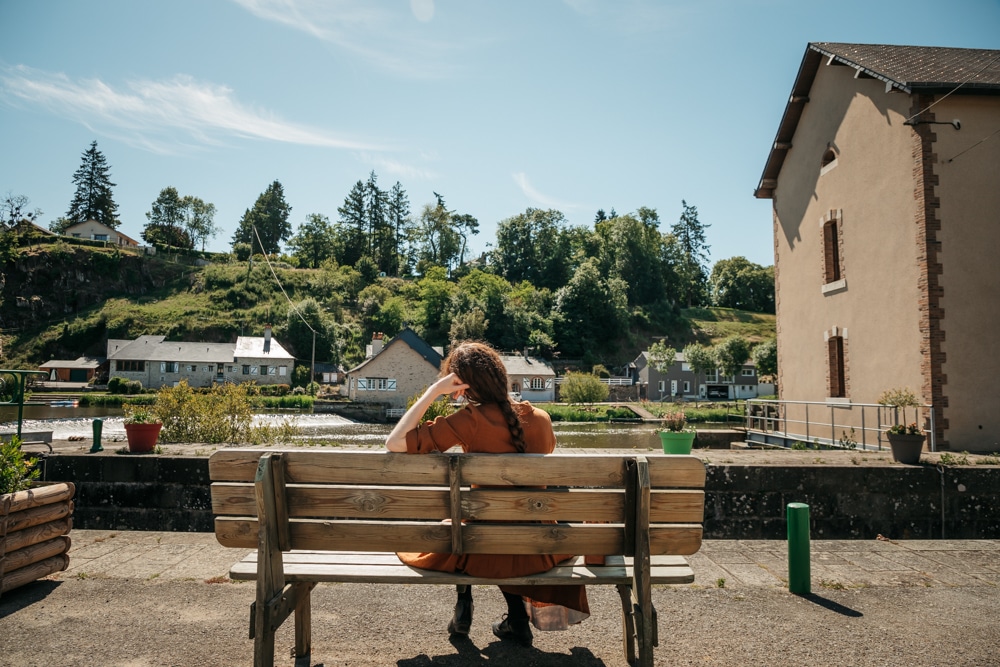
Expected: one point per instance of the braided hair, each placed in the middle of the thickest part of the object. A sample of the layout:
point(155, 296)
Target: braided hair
point(480, 367)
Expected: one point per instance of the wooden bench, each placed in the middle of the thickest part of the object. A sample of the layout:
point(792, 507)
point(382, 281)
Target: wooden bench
point(339, 516)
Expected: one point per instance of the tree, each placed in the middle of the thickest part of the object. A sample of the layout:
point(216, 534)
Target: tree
point(589, 312)
point(166, 221)
point(582, 388)
point(637, 253)
point(468, 326)
point(93, 199)
point(731, 354)
point(739, 283)
point(661, 356)
point(303, 319)
point(14, 209)
point(690, 235)
point(765, 358)
point(199, 220)
point(399, 218)
point(699, 358)
point(439, 243)
point(352, 226)
point(314, 242)
point(266, 225)
point(532, 246)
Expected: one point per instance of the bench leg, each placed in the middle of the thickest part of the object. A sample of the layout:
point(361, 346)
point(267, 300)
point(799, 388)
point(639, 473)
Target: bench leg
point(628, 625)
point(303, 624)
point(263, 637)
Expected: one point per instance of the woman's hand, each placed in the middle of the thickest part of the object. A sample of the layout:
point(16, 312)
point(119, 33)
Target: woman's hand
point(449, 384)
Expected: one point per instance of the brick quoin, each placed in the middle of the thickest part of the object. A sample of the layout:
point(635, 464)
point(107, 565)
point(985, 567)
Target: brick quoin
point(928, 223)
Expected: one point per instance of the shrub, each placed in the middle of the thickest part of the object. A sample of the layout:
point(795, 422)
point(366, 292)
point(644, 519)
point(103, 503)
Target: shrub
point(583, 388)
point(17, 471)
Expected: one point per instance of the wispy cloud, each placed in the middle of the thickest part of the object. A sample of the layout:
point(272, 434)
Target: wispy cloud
point(377, 32)
point(396, 168)
point(161, 116)
point(537, 197)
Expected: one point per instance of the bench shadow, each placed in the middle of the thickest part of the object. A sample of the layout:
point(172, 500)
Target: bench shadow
point(26, 595)
point(835, 607)
point(501, 653)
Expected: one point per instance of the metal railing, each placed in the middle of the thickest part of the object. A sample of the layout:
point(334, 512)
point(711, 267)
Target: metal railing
point(841, 425)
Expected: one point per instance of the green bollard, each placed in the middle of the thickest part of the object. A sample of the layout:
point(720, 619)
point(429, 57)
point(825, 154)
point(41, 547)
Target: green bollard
point(798, 548)
point(98, 426)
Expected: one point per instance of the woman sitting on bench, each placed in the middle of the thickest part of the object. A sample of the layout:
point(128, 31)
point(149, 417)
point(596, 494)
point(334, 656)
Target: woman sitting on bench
point(490, 422)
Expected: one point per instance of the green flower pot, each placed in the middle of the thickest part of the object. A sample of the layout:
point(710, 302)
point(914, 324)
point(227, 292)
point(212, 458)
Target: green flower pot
point(677, 442)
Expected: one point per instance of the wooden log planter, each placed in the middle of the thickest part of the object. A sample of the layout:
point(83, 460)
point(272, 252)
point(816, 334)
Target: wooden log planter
point(34, 533)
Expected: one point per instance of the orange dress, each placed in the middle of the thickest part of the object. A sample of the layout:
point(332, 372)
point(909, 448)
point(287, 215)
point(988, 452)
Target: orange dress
point(482, 428)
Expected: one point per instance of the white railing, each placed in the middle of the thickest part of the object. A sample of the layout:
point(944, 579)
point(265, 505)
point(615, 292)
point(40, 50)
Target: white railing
point(844, 425)
point(395, 412)
point(614, 382)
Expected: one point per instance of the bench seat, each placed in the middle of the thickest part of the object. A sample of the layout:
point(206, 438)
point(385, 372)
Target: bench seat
point(385, 568)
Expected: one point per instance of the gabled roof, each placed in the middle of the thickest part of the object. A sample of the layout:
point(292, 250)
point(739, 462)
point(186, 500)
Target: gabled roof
point(79, 362)
point(909, 69)
point(157, 348)
point(415, 342)
point(517, 364)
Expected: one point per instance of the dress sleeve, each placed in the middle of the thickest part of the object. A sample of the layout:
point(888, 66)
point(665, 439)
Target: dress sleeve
point(443, 433)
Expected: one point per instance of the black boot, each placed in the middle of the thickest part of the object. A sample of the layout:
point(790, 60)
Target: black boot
point(514, 624)
point(516, 630)
point(462, 620)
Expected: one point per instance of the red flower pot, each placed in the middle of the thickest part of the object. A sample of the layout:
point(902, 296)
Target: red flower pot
point(142, 437)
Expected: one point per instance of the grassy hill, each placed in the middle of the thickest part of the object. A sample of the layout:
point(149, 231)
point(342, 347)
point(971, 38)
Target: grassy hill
point(61, 301)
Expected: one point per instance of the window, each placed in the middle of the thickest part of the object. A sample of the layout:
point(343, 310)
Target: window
point(687, 386)
point(747, 372)
point(263, 370)
point(246, 369)
point(537, 383)
point(168, 366)
point(712, 376)
point(376, 384)
point(661, 386)
point(231, 369)
point(829, 161)
point(100, 237)
point(835, 352)
point(192, 368)
point(130, 366)
point(832, 245)
point(282, 371)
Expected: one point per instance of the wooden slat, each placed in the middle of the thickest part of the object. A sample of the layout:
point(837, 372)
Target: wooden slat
point(681, 539)
point(336, 467)
point(545, 505)
point(686, 472)
point(38, 515)
point(398, 573)
point(380, 467)
point(305, 557)
point(372, 502)
point(673, 506)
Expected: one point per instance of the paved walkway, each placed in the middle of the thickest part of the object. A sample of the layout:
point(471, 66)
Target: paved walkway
point(154, 599)
point(835, 564)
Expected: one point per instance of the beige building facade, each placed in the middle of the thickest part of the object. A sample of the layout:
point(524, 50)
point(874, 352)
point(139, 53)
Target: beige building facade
point(886, 214)
point(394, 371)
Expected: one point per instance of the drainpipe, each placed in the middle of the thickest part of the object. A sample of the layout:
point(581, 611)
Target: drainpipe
point(941, 470)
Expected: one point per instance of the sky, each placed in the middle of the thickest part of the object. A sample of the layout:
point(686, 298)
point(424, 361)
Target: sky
point(576, 105)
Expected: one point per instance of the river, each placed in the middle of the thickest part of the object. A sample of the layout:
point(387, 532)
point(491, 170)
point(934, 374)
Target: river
point(67, 422)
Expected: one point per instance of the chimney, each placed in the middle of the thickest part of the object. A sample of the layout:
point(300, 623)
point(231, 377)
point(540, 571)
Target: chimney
point(267, 338)
point(377, 343)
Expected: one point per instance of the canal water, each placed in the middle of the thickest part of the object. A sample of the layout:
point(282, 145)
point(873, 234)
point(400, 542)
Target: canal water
point(67, 422)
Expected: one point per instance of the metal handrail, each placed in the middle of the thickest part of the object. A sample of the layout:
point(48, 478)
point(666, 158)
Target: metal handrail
point(774, 418)
point(20, 379)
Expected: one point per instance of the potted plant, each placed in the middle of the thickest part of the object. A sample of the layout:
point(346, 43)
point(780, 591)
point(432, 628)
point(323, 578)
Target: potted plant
point(675, 438)
point(906, 441)
point(142, 428)
point(35, 518)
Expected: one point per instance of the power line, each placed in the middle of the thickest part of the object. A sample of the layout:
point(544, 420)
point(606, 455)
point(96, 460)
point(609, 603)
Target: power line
point(962, 83)
point(277, 280)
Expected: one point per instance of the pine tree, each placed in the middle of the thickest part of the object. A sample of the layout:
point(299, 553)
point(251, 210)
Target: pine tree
point(689, 233)
point(266, 225)
point(399, 219)
point(352, 226)
point(93, 199)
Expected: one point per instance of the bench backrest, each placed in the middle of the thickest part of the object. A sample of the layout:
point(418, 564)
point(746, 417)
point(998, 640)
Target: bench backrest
point(379, 501)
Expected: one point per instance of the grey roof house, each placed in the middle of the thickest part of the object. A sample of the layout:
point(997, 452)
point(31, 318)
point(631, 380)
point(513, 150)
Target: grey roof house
point(156, 362)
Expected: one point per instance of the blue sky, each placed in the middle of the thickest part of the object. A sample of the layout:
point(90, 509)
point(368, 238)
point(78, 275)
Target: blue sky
point(499, 106)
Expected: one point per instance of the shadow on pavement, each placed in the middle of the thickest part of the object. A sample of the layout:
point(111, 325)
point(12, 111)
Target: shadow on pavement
point(831, 605)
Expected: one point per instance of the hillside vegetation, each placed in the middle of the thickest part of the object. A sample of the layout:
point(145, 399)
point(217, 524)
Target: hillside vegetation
point(62, 301)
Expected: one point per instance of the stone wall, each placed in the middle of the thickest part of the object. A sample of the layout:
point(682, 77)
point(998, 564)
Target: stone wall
point(742, 501)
